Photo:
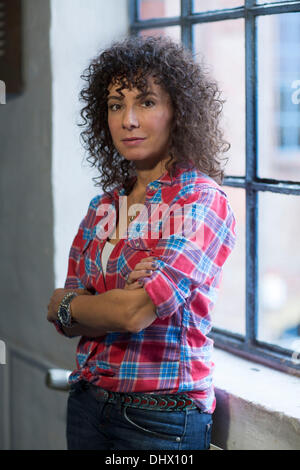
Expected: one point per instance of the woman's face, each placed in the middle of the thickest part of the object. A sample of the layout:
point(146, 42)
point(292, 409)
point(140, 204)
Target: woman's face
point(140, 124)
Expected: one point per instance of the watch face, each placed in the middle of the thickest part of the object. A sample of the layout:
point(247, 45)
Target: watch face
point(63, 314)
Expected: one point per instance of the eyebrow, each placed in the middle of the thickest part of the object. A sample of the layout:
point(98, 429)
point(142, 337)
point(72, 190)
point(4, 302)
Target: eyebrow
point(120, 98)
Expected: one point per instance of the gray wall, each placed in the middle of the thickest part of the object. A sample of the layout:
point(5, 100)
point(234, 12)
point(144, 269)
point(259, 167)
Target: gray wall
point(26, 240)
point(44, 195)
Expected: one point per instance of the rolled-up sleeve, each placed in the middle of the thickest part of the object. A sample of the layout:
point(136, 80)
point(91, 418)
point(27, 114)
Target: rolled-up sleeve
point(194, 251)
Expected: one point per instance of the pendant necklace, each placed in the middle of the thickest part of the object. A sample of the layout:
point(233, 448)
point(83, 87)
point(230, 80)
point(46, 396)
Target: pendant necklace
point(132, 217)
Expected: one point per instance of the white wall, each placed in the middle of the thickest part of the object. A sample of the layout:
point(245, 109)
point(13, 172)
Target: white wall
point(79, 30)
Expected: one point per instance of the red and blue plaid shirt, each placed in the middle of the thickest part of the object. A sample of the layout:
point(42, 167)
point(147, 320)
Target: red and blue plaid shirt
point(173, 354)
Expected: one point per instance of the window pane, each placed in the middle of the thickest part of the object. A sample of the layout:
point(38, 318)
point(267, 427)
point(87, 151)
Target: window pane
point(209, 5)
point(229, 312)
point(212, 43)
point(279, 96)
point(279, 269)
point(173, 32)
point(158, 9)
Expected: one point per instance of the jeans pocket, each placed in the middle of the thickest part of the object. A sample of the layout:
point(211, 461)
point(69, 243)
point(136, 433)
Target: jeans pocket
point(152, 423)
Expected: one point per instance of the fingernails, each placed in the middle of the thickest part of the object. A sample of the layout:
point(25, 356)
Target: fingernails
point(149, 271)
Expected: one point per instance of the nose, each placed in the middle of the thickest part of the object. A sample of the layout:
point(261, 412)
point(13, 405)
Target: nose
point(130, 118)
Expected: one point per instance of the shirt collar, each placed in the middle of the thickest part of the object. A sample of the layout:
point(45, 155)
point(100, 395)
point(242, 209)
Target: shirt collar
point(181, 167)
point(164, 179)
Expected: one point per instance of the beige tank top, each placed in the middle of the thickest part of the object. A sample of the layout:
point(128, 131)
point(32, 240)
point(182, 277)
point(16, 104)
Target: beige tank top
point(107, 249)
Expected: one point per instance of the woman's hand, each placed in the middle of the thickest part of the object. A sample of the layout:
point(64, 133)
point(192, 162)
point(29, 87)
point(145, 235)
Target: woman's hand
point(56, 299)
point(142, 269)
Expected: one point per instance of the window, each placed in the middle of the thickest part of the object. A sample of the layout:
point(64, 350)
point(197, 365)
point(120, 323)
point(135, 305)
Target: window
point(252, 48)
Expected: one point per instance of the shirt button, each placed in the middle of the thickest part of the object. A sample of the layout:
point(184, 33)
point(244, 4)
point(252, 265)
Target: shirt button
point(151, 187)
point(177, 439)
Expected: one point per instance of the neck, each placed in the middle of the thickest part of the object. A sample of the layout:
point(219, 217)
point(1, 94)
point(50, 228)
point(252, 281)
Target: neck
point(147, 175)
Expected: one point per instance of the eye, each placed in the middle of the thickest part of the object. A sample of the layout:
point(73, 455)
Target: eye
point(114, 107)
point(148, 103)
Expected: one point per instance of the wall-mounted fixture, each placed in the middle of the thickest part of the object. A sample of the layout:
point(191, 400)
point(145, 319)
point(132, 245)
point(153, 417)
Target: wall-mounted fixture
point(11, 47)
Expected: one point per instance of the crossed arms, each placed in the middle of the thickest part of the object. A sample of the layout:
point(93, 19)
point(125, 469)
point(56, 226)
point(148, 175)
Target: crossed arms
point(115, 310)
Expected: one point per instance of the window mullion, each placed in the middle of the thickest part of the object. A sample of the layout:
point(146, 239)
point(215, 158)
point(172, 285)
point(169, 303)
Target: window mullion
point(133, 15)
point(251, 172)
point(186, 27)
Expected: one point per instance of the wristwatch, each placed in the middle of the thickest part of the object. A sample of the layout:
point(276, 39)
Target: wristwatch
point(64, 311)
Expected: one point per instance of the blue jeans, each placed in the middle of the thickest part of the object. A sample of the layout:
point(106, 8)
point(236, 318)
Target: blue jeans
point(95, 424)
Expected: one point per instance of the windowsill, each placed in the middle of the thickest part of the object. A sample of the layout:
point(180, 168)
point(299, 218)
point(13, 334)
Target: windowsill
point(257, 407)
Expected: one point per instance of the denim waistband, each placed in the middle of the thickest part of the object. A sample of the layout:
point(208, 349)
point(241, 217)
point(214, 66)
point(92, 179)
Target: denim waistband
point(148, 401)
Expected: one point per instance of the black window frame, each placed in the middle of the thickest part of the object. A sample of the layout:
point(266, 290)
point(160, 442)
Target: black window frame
point(247, 346)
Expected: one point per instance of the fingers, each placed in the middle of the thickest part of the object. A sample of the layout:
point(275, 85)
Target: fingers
point(134, 285)
point(146, 264)
point(142, 269)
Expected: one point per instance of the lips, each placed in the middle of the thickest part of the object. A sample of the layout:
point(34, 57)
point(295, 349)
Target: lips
point(133, 139)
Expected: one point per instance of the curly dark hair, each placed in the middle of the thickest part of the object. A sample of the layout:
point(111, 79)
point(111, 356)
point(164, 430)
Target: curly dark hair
point(196, 136)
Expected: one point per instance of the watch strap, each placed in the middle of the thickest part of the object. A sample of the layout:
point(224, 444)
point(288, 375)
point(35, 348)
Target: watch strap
point(64, 310)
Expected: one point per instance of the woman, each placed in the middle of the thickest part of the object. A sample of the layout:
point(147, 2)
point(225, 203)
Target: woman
point(146, 263)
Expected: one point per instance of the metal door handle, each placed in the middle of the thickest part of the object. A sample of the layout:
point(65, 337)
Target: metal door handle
point(57, 379)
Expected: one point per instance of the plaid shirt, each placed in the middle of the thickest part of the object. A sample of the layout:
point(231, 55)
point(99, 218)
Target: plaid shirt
point(173, 354)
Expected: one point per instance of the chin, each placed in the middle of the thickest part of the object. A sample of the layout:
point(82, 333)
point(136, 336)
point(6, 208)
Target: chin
point(138, 158)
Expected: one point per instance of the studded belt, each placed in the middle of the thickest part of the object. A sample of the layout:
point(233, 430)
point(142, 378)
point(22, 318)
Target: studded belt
point(149, 401)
